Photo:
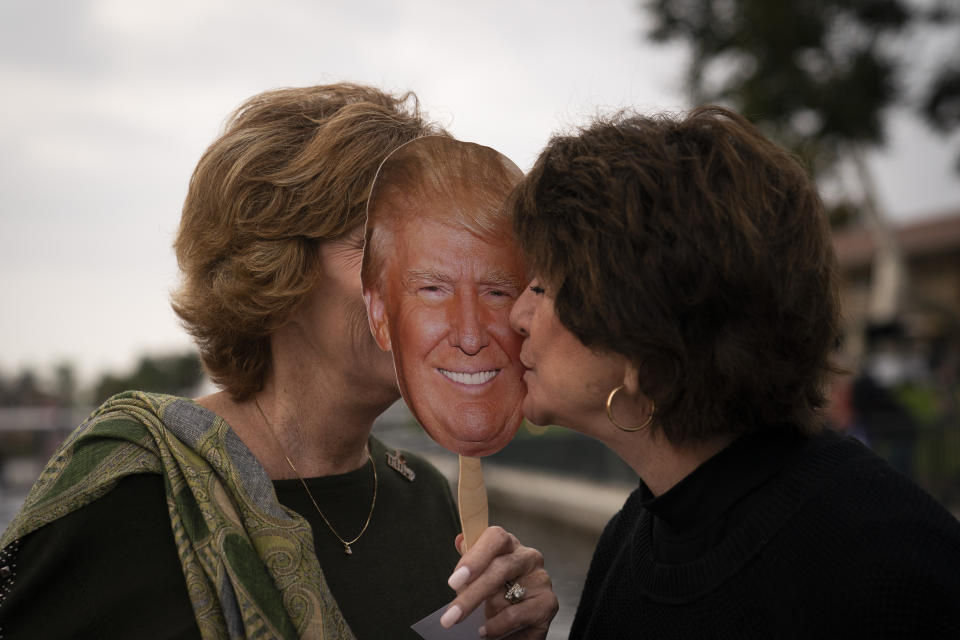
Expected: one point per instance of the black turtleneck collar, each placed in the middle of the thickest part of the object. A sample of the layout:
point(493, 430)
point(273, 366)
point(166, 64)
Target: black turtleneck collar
point(692, 517)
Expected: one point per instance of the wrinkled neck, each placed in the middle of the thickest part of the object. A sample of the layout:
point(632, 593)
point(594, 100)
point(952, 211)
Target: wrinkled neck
point(658, 462)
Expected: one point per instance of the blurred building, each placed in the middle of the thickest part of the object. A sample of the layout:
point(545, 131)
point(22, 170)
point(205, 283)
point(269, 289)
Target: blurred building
point(903, 398)
point(931, 254)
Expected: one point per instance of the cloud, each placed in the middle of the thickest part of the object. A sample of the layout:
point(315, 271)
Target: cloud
point(52, 36)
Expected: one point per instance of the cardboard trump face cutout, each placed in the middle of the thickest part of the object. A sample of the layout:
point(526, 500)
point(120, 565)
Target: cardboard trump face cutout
point(440, 275)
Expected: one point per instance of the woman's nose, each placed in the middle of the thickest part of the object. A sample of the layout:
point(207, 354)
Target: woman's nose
point(520, 313)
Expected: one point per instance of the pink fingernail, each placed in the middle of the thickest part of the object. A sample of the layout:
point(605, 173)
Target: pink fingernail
point(482, 632)
point(459, 578)
point(450, 617)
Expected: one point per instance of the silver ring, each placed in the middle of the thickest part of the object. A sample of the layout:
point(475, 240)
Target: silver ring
point(514, 592)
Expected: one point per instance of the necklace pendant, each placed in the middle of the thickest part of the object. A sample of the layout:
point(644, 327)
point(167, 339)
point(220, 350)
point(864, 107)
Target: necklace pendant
point(347, 550)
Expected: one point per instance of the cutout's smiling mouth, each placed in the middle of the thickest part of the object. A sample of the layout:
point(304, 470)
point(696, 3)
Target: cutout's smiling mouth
point(481, 377)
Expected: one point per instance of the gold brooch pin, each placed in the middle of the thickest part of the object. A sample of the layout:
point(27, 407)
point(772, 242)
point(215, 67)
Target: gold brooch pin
point(398, 463)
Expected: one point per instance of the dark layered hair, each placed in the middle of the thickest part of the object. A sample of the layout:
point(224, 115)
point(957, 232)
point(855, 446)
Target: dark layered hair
point(699, 250)
point(292, 169)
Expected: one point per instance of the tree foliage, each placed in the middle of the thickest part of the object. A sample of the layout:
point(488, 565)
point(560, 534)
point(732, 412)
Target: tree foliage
point(175, 374)
point(25, 390)
point(942, 104)
point(817, 75)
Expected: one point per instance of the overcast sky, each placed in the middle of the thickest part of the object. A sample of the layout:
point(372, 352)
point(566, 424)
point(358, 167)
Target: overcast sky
point(108, 104)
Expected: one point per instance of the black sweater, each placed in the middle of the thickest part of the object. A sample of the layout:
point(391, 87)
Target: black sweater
point(778, 536)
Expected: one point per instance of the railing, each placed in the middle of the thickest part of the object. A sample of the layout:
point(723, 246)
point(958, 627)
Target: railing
point(930, 455)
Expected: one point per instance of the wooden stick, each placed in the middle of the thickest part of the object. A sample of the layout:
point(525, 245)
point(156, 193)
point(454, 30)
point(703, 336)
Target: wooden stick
point(472, 498)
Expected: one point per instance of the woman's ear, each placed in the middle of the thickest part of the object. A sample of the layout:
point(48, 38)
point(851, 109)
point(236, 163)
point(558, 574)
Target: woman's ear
point(631, 379)
point(631, 385)
point(377, 317)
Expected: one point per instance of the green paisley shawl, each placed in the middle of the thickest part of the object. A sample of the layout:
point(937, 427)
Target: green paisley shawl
point(250, 566)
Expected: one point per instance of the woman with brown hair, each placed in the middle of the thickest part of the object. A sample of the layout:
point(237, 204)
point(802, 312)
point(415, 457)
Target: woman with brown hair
point(266, 509)
point(683, 310)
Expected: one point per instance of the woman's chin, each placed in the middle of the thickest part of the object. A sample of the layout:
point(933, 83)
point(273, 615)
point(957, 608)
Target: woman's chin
point(534, 415)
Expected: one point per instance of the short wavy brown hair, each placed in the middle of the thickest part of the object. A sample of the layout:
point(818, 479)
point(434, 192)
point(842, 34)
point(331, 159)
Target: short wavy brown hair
point(699, 250)
point(440, 169)
point(292, 168)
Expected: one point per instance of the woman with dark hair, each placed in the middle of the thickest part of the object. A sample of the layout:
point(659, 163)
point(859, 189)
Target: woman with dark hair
point(683, 310)
point(266, 509)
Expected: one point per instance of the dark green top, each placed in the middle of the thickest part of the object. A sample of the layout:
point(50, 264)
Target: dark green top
point(110, 569)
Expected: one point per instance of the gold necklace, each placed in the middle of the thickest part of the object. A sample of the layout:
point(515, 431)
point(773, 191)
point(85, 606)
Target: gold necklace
point(346, 543)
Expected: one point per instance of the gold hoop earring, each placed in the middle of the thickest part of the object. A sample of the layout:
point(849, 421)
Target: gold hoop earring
point(644, 425)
